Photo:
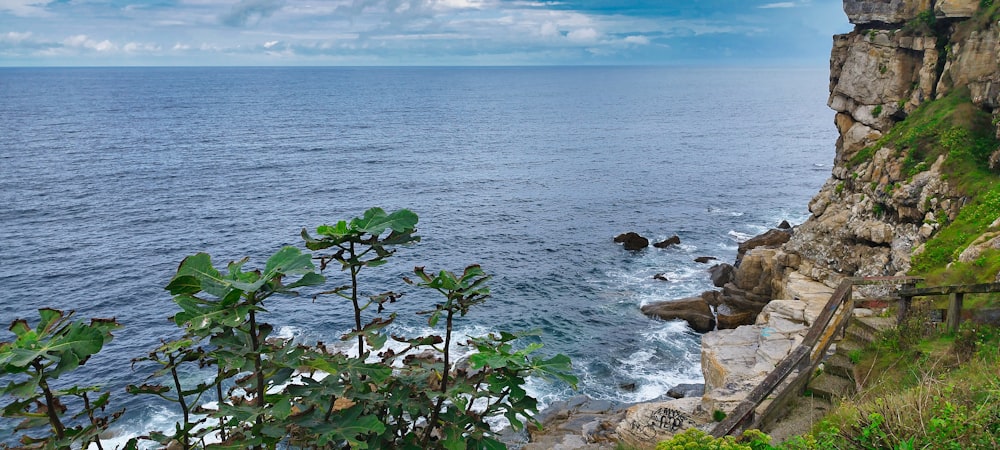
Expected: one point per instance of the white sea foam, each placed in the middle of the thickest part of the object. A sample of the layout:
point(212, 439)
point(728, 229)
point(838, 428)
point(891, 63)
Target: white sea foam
point(739, 236)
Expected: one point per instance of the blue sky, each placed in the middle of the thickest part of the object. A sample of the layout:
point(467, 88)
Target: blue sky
point(417, 32)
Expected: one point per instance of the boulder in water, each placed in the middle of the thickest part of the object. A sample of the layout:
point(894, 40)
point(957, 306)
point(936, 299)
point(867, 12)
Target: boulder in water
point(632, 241)
point(694, 310)
point(672, 240)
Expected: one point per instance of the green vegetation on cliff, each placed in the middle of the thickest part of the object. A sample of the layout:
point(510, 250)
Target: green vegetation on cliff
point(953, 127)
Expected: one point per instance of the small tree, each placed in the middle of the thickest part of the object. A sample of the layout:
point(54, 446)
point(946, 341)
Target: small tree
point(360, 243)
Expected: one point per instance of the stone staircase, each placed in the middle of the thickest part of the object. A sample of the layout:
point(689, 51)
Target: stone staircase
point(838, 378)
point(836, 381)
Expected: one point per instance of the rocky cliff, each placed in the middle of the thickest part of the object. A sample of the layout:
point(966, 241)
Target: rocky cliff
point(916, 88)
point(914, 188)
point(882, 204)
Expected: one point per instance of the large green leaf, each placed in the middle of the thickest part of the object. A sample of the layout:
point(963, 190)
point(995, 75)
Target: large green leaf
point(559, 367)
point(309, 279)
point(200, 267)
point(349, 425)
point(289, 260)
point(184, 285)
point(69, 345)
point(375, 221)
point(200, 314)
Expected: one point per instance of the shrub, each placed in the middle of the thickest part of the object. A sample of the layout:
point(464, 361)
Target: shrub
point(695, 439)
point(271, 392)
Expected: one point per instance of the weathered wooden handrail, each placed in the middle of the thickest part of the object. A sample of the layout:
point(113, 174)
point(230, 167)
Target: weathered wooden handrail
point(807, 356)
point(957, 293)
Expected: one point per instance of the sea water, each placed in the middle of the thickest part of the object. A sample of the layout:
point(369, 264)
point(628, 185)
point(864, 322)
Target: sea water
point(110, 176)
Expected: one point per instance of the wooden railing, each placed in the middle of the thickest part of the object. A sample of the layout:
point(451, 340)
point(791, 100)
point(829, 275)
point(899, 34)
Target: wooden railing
point(805, 358)
point(957, 293)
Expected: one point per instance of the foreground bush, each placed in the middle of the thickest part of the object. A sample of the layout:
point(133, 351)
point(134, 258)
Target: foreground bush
point(268, 392)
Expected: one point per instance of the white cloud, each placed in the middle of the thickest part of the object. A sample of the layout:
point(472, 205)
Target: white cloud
point(548, 29)
point(15, 37)
point(778, 5)
point(444, 5)
point(75, 41)
point(138, 47)
point(25, 8)
point(367, 31)
point(583, 35)
point(637, 40)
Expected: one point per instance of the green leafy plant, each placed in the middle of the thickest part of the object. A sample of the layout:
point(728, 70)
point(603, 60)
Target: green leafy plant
point(270, 392)
point(273, 392)
point(855, 356)
point(363, 242)
point(221, 310)
point(32, 364)
point(695, 439)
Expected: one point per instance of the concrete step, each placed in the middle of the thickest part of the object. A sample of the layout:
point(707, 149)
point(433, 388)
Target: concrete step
point(867, 329)
point(831, 387)
point(861, 335)
point(846, 346)
point(839, 365)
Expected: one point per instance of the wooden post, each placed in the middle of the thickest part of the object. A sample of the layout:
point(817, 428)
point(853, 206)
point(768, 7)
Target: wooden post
point(955, 311)
point(904, 309)
point(848, 310)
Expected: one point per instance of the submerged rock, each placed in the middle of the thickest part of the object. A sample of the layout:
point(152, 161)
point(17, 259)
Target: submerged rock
point(673, 240)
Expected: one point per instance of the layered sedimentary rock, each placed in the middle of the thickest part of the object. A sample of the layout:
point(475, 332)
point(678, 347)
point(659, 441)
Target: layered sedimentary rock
point(883, 12)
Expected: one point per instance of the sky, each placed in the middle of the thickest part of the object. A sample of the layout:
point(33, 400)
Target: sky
point(417, 32)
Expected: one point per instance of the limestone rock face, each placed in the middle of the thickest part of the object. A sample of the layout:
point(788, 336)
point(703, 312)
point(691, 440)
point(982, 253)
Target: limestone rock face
point(981, 244)
point(878, 74)
point(877, 209)
point(974, 61)
point(771, 238)
point(861, 12)
point(952, 9)
point(735, 361)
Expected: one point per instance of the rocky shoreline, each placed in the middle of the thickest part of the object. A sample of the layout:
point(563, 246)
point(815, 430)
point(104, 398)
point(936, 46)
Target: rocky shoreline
point(869, 218)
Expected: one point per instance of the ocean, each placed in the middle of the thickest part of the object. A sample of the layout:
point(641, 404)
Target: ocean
point(109, 177)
